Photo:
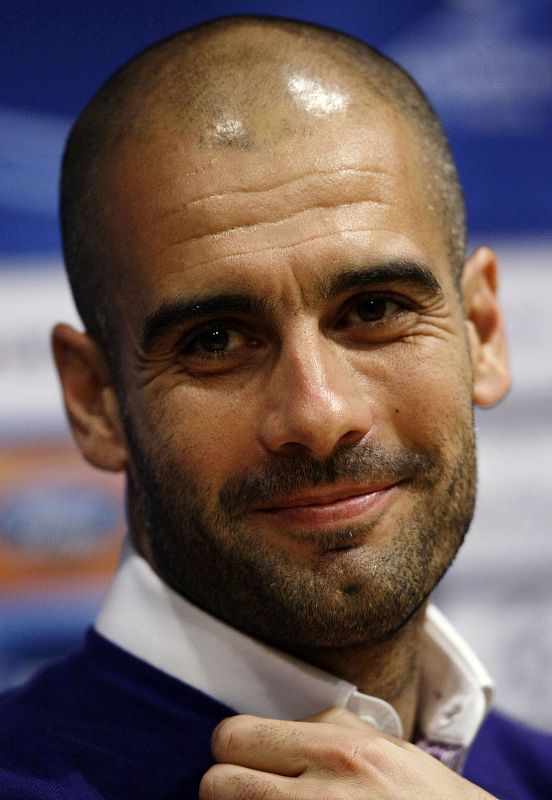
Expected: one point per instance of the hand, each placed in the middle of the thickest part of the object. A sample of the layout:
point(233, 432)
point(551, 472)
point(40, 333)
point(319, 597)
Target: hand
point(333, 756)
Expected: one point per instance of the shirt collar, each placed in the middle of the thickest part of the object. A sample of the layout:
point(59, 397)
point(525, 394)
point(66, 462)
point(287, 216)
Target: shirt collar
point(145, 617)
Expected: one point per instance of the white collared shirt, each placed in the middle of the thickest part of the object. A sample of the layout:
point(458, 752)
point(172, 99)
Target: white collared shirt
point(142, 615)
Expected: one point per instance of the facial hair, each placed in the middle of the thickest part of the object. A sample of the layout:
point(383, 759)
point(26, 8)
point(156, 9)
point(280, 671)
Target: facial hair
point(343, 589)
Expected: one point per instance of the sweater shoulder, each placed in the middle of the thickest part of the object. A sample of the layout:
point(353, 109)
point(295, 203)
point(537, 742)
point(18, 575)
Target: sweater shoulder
point(104, 724)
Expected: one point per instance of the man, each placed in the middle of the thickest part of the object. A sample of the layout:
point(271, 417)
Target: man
point(284, 339)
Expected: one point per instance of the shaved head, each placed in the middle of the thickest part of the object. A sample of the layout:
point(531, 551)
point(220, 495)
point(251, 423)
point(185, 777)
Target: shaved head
point(248, 83)
point(264, 233)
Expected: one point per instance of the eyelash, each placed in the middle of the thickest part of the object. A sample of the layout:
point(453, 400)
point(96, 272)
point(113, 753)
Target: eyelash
point(192, 339)
point(233, 326)
point(403, 304)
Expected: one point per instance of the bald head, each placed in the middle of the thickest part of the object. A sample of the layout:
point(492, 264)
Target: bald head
point(244, 83)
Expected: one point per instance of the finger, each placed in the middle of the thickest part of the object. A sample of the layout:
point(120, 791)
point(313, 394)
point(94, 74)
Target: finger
point(291, 748)
point(346, 719)
point(228, 782)
point(269, 745)
point(340, 716)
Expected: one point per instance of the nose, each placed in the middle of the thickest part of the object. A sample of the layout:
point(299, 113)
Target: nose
point(314, 401)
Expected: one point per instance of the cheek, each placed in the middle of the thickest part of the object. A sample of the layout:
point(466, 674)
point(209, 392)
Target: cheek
point(420, 393)
point(209, 434)
point(428, 397)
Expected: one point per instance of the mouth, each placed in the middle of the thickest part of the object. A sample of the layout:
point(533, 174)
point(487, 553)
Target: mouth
point(329, 505)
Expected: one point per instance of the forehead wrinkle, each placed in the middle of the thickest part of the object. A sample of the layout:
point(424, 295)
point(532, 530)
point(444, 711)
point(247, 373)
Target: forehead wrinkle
point(316, 173)
point(132, 157)
point(221, 211)
point(280, 248)
point(216, 197)
point(260, 223)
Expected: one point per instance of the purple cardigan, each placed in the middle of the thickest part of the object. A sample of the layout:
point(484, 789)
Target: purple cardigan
point(104, 725)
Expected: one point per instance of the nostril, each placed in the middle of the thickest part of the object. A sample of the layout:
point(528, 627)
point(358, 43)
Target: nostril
point(292, 449)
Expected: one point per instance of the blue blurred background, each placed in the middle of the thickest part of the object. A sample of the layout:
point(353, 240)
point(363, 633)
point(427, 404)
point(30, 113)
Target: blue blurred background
point(487, 67)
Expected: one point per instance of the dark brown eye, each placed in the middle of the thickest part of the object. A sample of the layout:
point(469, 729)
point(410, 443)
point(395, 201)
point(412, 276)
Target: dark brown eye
point(371, 309)
point(213, 340)
point(216, 340)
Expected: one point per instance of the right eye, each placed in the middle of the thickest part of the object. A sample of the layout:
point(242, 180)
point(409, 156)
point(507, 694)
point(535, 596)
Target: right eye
point(215, 339)
point(216, 345)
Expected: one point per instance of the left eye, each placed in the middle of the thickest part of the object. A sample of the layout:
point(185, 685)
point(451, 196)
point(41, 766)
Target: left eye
point(372, 309)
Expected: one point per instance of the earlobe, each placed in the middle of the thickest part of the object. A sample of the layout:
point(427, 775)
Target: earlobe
point(90, 399)
point(485, 328)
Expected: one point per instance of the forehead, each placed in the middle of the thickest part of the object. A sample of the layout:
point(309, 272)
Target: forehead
point(183, 216)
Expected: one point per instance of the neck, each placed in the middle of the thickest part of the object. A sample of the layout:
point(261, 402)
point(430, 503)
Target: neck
point(389, 670)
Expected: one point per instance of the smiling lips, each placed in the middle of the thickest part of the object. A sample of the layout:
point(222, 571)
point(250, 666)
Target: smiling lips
point(339, 505)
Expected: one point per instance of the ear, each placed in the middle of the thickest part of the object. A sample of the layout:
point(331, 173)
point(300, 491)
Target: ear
point(485, 326)
point(90, 399)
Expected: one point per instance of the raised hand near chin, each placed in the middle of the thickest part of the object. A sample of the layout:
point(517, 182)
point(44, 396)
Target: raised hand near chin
point(333, 756)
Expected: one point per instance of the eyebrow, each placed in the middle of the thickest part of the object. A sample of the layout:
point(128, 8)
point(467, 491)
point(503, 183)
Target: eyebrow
point(175, 312)
point(178, 311)
point(406, 272)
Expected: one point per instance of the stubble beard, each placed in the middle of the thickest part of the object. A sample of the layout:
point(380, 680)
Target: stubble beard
point(348, 592)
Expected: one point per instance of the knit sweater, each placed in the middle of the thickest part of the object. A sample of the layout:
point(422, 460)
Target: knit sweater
point(105, 725)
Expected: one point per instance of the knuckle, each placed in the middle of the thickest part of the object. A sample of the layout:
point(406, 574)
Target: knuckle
point(224, 737)
point(227, 782)
point(351, 757)
point(210, 783)
point(237, 735)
